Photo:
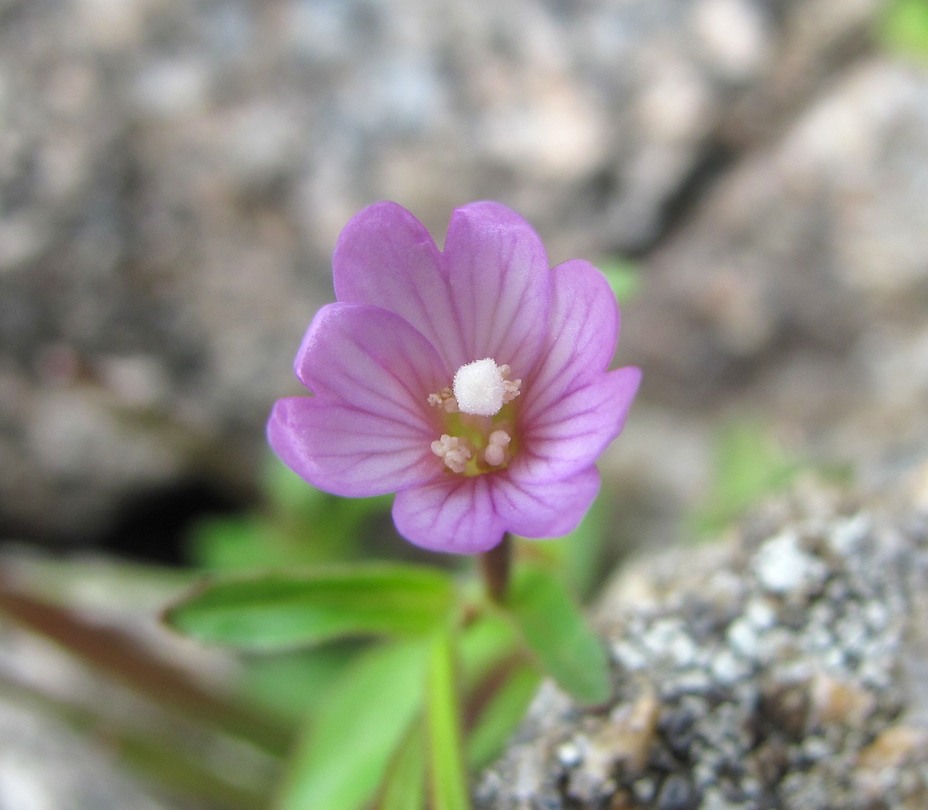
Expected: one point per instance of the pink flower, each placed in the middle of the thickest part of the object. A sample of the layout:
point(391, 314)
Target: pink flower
point(471, 381)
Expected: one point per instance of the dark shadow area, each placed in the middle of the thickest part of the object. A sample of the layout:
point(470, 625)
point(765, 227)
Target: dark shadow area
point(152, 526)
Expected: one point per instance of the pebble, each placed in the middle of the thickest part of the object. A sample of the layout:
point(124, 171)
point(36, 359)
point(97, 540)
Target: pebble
point(783, 567)
point(834, 701)
point(728, 667)
point(669, 638)
point(893, 747)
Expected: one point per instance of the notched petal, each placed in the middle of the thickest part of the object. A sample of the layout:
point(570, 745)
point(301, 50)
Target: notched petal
point(385, 257)
point(370, 358)
point(373, 250)
point(572, 432)
point(582, 335)
point(541, 508)
point(451, 515)
point(500, 283)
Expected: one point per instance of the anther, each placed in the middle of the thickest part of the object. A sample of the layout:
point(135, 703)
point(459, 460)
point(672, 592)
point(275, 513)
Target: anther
point(444, 399)
point(510, 387)
point(453, 451)
point(495, 454)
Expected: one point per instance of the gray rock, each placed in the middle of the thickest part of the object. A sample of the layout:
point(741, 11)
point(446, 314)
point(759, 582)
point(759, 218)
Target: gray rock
point(794, 293)
point(805, 263)
point(806, 694)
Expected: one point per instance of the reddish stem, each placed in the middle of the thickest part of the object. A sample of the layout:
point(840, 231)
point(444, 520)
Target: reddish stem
point(495, 565)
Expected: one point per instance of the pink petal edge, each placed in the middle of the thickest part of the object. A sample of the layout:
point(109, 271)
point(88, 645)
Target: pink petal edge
point(581, 338)
point(348, 452)
point(546, 508)
point(452, 514)
point(486, 295)
point(385, 257)
point(370, 358)
point(574, 431)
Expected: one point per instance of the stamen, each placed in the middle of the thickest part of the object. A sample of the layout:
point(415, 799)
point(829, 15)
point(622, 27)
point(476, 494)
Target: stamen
point(495, 454)
point(510, 387)
point(444, 399)
point(453, 451)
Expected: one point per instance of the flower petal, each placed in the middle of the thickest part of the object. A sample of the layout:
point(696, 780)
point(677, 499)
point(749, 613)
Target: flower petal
point(500, 284)
point(385, 257)
point(545, 508)
point(470, 516)
point(369, 428)
point(373, 360)
point(348, 451)
point(581, 339)
point(571, 433)
point(453, 514)
point(486, 295)
point(570, 409)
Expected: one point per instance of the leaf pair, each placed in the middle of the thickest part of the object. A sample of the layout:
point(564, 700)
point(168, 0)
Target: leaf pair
point(371, 731)
point(394, 718)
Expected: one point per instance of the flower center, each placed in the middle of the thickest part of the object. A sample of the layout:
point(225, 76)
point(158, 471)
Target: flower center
point(478, 418)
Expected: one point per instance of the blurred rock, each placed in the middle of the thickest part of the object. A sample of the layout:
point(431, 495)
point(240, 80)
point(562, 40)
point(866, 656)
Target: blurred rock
point(807, 244)
point(44, 766)
point(796, 289)
point(773, 677)
point(89, 679)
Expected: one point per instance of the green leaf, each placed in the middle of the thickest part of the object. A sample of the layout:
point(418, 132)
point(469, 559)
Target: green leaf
point(488, 639)
point(292, 684)
point(498, 681)
point(403, 787)
point(447, 777)
point(904, 28)
point(502, 715)
point(231, 543)
point(281, 610)
point(555, 630)
point(580, 554)
point(749, 464)
point(623, 276)
point(358, 731)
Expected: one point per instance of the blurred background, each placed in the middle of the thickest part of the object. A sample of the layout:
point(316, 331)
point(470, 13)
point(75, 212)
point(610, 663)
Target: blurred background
point(752, 175)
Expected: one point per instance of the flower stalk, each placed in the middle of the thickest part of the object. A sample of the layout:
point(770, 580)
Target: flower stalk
point(495, 567)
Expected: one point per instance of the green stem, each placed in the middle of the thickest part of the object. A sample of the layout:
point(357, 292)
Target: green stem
point(495, 566)
point(448, 778)
point(404, 784)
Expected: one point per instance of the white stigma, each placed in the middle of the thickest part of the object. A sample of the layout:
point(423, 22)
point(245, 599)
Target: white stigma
point(479, 387)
